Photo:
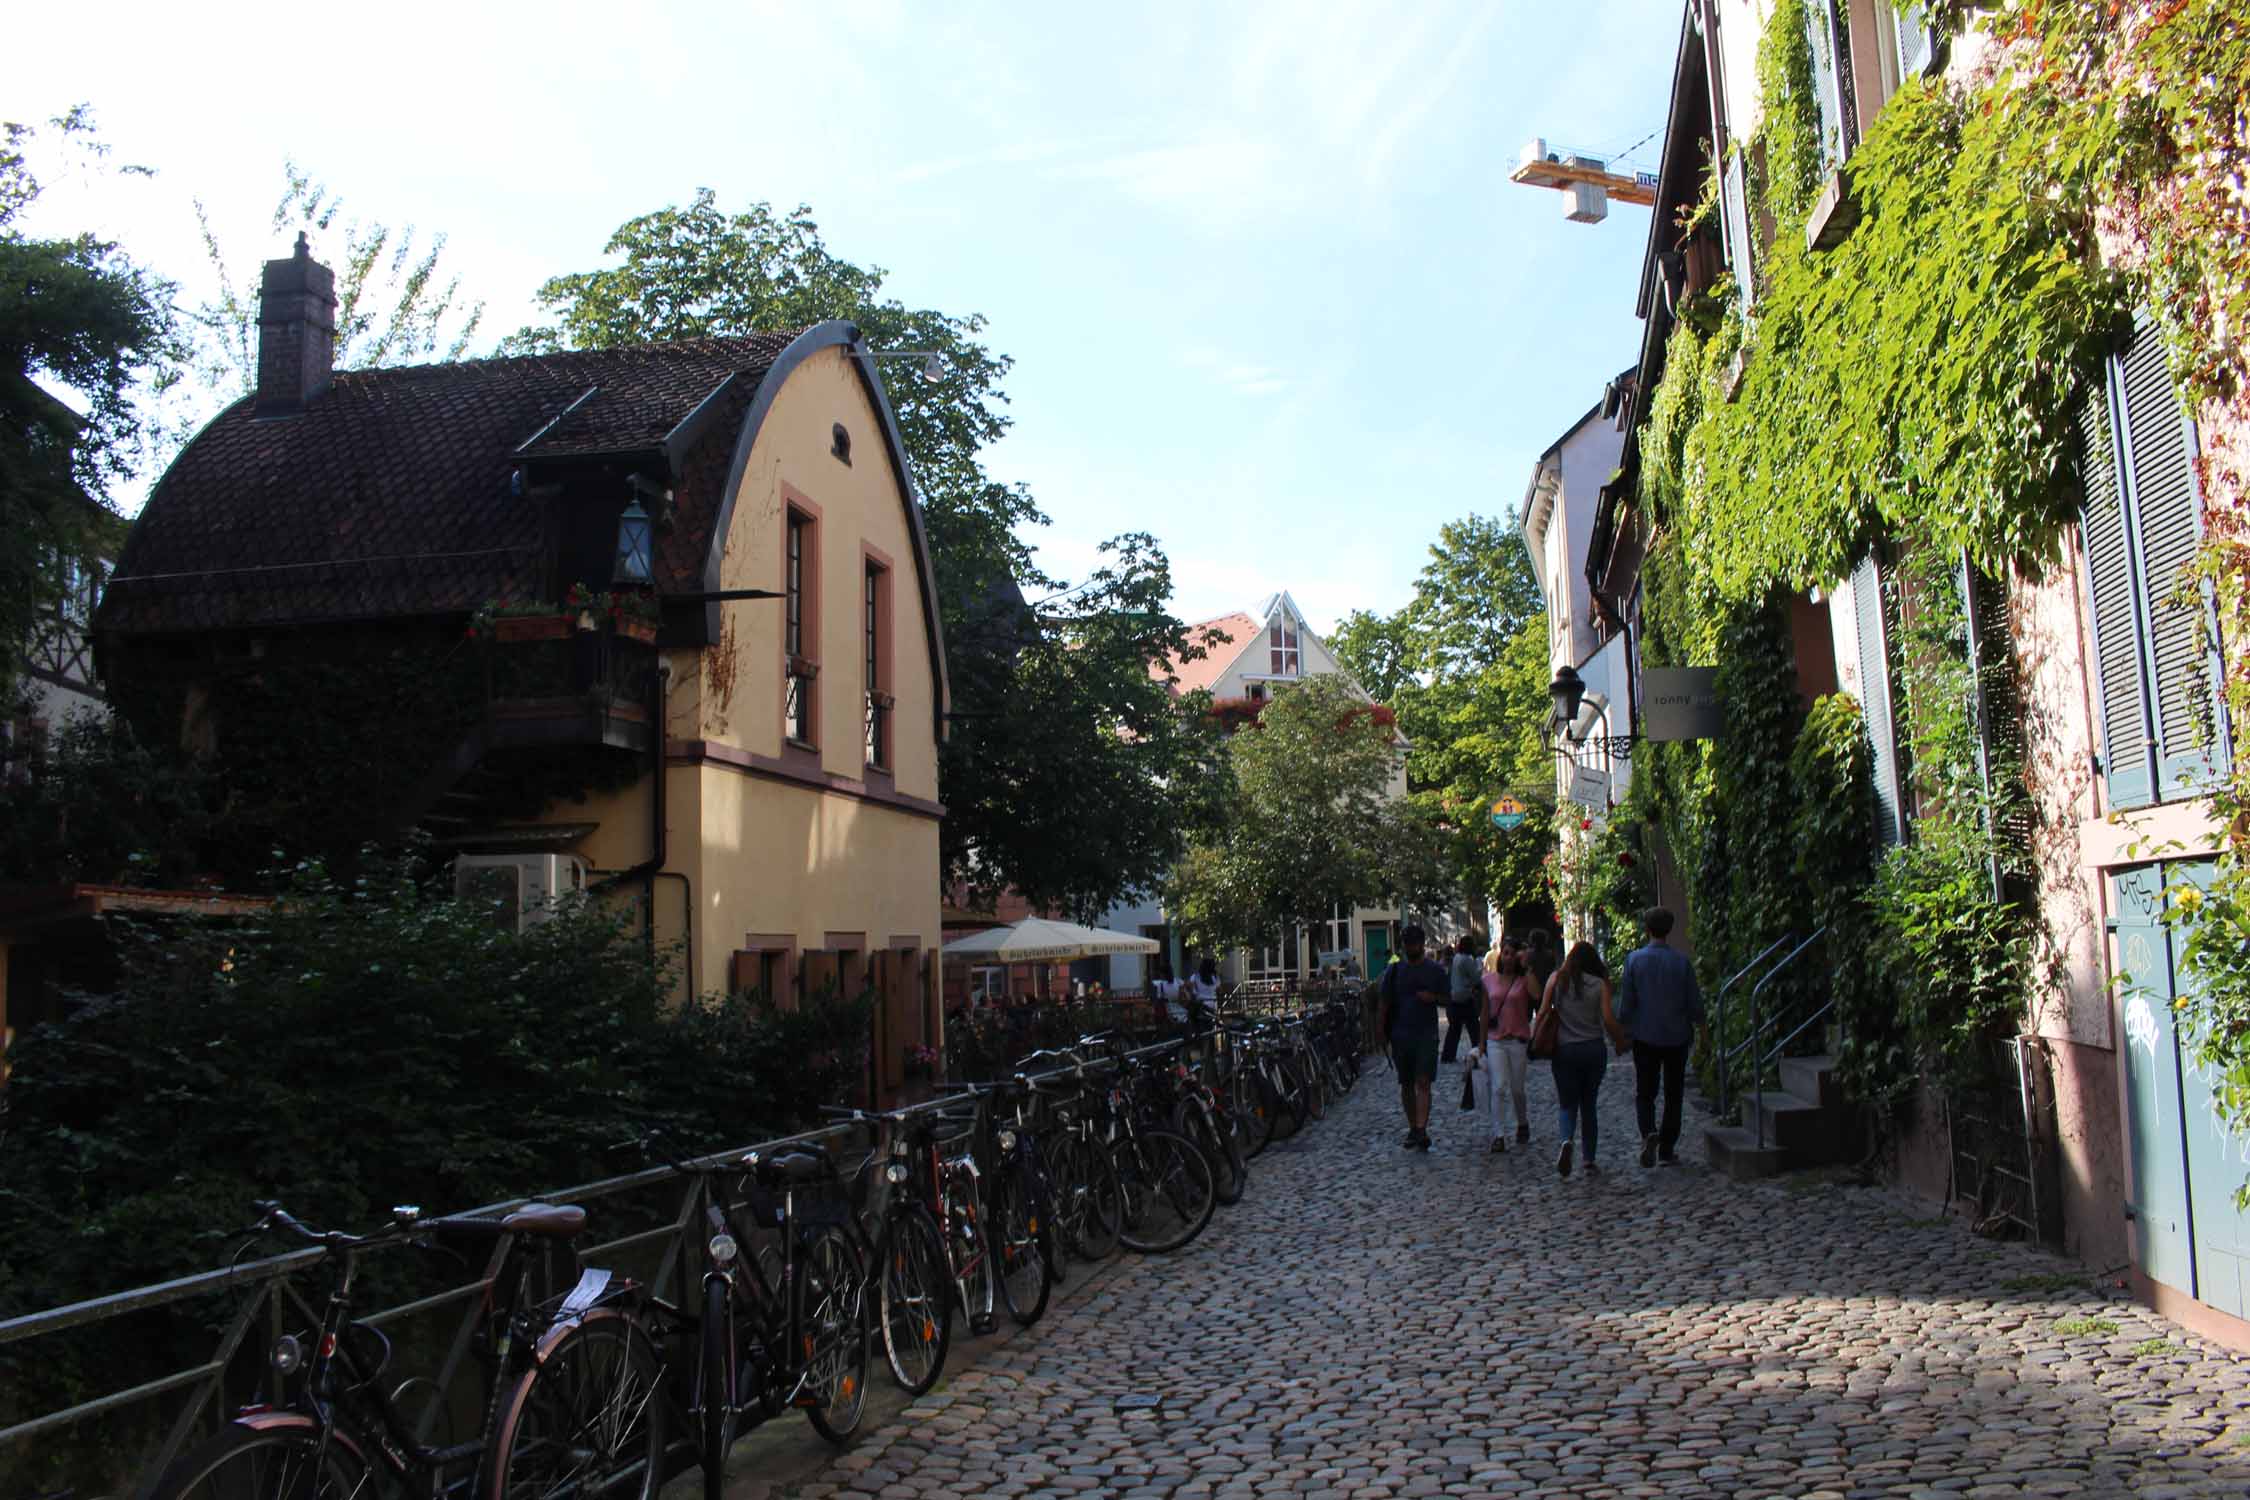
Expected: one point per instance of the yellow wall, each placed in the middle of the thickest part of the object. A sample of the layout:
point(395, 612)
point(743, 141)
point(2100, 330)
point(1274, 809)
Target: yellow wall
point(858, 502)
point(765, 855)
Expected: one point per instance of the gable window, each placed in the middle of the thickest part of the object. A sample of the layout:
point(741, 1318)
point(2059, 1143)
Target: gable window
point(800, 630)
point(1281, 644)
point(875, 612)
point(2153, 644)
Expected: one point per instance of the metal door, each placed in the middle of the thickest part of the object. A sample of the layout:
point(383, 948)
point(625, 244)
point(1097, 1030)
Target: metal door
point(2156, 1141)
point(2218, 1158)
point(1378, 951)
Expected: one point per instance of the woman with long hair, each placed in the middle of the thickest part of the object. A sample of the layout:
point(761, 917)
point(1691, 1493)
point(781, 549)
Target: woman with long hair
point(1508, 1001)
point(1578, 994)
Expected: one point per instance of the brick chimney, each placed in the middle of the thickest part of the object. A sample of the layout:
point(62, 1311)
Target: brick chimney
point(296, 333)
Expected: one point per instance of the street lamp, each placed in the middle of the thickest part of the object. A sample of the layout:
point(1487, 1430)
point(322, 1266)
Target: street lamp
point(1568, 691)
point(635, 545)
point(934, 361)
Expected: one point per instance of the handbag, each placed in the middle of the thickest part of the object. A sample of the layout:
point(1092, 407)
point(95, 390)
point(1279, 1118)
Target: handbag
point(1469, 1084)
point(1546, 1033)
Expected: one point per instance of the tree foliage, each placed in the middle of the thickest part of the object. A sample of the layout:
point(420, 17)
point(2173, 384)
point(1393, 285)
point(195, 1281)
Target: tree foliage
point(1058, 725)
point(81, 315)
point(1314, 824)
point(396, 303)
point(1464, 665)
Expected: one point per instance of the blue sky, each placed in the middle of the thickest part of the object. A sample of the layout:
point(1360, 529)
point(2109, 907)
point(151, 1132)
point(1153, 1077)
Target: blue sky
point(1269, 290)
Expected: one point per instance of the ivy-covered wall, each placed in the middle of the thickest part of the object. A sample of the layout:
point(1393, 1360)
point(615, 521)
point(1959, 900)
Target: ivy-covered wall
point(1914, 387)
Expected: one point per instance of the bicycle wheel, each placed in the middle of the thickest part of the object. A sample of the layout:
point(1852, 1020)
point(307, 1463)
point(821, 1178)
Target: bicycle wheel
point(832, 1307)
point(248, 1463)
point(1280, 1100)
point(1086, 1179)
point(1314, 1084)
point(715, 1389)
point(1253, 1122)
point(1228, 1174)
point(588, 1419)
point(916, 1306)
point(1018, 1247)
point(969, 1250)
point(1168, 1191)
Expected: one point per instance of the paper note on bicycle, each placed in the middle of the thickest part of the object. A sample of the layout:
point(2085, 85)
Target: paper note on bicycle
point(592, 1282)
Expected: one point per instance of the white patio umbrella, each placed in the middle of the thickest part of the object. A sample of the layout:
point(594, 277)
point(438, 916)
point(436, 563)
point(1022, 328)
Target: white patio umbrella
point(1037, 940)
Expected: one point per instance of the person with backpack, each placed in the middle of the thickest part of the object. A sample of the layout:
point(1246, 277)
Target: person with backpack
point(1577, 1007)
point(1413, 992)
point(1661, 1005)
point(1464, 989)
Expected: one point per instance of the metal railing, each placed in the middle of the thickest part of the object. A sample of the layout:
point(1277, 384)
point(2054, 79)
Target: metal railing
point(1760, 1061)
point(1719, 1021)
point(266, 1297)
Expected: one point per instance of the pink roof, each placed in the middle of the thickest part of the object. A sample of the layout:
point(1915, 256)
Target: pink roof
point(1238, 627)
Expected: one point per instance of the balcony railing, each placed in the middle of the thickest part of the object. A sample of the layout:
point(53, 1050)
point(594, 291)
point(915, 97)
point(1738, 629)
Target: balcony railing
point(547, 681)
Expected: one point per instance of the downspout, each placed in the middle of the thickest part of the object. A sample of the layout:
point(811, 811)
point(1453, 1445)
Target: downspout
point(647, 870)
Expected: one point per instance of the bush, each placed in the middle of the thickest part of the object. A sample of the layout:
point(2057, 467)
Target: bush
point(361, 1046)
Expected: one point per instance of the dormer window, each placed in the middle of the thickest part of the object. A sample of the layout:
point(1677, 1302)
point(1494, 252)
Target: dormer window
point(1281, 645)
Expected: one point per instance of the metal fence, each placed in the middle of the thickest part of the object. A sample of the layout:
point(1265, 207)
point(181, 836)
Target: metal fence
point(122, 1440)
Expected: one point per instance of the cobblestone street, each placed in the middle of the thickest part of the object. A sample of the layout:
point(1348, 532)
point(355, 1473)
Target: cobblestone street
point(1374, 1322)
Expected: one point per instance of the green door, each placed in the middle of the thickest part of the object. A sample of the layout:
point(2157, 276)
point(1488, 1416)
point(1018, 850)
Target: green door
point(2218, 1159)
point(1378, 950)
point(2156, 1142)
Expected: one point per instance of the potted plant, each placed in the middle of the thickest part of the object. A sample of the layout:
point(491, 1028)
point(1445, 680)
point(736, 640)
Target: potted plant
point(520, 620)
point(635, 615)
point(921, 1062)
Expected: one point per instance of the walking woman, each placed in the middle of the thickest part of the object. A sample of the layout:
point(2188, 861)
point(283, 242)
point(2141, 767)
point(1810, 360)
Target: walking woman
point(1508, 1001)
point(1579, 995)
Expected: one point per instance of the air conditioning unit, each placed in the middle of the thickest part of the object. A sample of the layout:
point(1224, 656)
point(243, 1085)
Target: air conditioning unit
point(519, 889)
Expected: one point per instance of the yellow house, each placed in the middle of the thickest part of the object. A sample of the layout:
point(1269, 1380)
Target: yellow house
point(692, 575)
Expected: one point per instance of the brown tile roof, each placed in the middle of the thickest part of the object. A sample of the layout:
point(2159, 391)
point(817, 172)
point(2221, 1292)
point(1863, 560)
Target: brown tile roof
point(391, 493)
point(1219, 654)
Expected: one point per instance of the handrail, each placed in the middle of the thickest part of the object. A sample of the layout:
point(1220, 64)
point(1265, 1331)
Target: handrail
point(1719, 1021)
point(1758, 1067)
point(263, 1280)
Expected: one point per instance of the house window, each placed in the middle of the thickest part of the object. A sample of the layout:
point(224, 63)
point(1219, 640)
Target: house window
point(874, 649)
point(1335, 934)
point(1276, 962)
point(799, 632)
point(2159, 673)
point(1257, 692)
point(1281, 643)
point(840, 443)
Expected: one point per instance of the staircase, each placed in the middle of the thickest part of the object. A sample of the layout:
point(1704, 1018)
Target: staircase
point(1805, 1123)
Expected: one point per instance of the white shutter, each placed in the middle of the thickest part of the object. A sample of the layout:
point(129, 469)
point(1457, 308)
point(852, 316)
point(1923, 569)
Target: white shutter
point(2117, 632)
point(1734, 209)
point(1875, 698)
point(1914, 40)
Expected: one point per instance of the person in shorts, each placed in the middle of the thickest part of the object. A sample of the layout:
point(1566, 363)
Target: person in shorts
point(1414, 997)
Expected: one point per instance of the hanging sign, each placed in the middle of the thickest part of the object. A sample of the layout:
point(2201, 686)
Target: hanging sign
point(1680, 703)
point(1589, 788)
point(1509, 813)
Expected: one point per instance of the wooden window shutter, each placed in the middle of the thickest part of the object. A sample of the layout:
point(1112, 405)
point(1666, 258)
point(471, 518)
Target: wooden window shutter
point(822, 976)
point(2160, 485)
point(2117, 627)
point(1875, 698)
point(1742, 247)
point(1913, 38)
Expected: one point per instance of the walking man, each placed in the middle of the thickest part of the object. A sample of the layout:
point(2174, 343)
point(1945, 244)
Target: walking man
point(1464, 988)
point(1660, 1004)
point(1412, 993)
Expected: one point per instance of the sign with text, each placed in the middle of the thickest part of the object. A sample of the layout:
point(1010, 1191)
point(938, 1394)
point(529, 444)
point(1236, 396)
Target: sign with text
point(1590, 788)
point(1509, 813)
point(1680, 703)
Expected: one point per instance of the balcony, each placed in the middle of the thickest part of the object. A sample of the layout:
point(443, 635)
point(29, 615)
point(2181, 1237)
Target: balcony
point(563, 679)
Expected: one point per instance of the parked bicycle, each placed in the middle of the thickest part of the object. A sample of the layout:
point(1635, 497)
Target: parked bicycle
point(575, 1394)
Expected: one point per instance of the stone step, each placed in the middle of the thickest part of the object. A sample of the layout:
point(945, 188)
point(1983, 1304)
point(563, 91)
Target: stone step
point(1802, 1129)
point(1813, 1079)
point(1734, 1151)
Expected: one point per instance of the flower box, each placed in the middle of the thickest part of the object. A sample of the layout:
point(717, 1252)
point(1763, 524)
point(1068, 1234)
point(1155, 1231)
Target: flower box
point(643, 631)
point(532, 627)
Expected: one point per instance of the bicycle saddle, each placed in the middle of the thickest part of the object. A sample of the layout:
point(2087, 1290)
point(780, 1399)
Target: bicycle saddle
point(555, 1220)
point(790, 1167)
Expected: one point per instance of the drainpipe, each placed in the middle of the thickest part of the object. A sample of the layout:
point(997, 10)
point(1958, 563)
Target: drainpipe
point(646, 871)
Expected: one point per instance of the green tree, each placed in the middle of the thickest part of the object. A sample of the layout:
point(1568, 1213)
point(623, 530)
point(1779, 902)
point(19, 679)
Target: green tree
point(1315, 823)
point(77, 315)
point(1464, 664)
point(1058, 724)
point(395, 302)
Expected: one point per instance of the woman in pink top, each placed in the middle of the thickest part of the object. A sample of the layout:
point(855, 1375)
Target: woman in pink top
point(1508, 998)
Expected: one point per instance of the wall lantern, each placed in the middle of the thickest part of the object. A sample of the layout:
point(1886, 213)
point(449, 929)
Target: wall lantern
point(1568, 692)
point(635, 546)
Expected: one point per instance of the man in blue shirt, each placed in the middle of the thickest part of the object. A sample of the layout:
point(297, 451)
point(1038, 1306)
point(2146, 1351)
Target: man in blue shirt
point(1659, 1002)
point(1413, 993)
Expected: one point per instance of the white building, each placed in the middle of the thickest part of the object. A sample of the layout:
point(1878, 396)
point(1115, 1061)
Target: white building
point(1251, 656)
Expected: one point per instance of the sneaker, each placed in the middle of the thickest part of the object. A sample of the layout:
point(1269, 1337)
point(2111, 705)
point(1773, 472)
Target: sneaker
point(1648, 1149)
point(1562, 1160)
point(1523, 1134)
point(1421, 1140)
point(1667, 1158)
point(1593, 1167)
point(1499, 1147)
point(1413, 1139)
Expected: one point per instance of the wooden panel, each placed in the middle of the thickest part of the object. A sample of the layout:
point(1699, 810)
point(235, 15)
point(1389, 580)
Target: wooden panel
point(820, 974)
point(2116, 620)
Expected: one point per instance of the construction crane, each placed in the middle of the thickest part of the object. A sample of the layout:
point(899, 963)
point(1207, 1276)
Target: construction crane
point(1586, 182)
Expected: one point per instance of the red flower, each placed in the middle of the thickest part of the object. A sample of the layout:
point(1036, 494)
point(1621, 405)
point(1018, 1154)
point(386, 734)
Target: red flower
point(1584, 824)
point(1626, 860)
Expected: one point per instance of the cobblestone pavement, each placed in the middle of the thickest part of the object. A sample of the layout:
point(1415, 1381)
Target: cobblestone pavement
point(1374, 1322)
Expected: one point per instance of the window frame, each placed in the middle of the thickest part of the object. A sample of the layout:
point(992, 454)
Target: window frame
point(878, 738)
point(800, 622)
point(1285, 647)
